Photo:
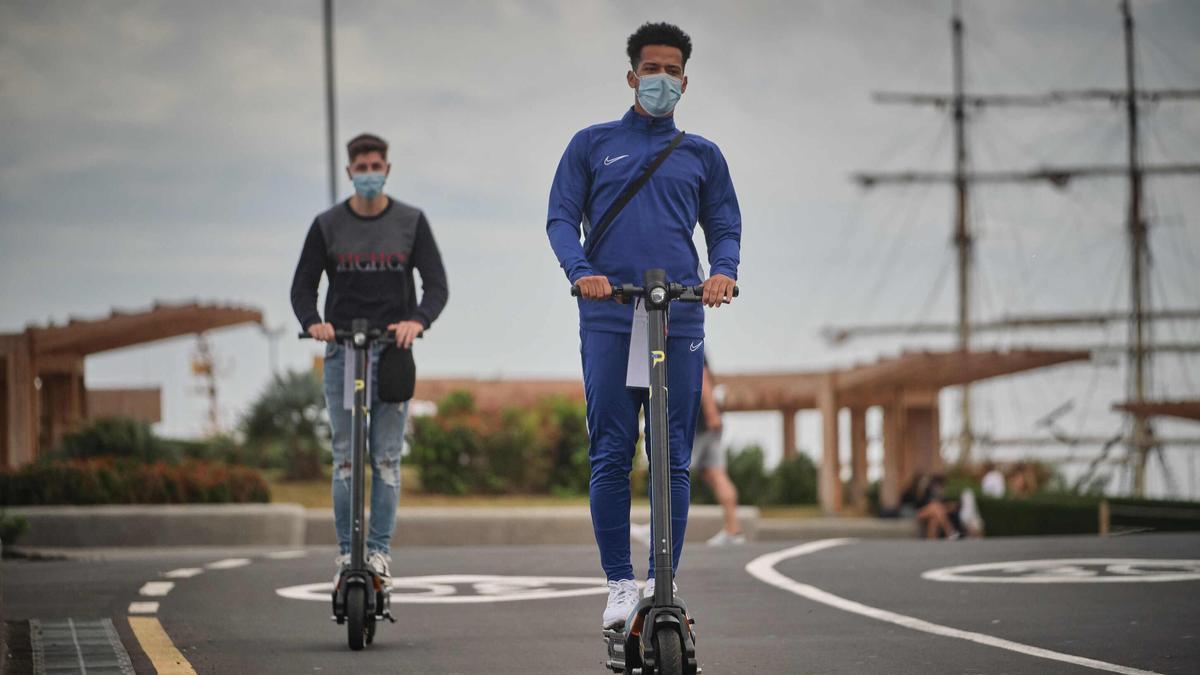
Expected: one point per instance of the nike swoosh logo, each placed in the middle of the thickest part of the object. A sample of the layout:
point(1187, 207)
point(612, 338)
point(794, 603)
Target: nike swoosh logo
point(609, 160)
point(696, 345)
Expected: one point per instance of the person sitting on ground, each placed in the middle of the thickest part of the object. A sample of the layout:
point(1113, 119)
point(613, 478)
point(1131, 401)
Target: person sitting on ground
point(936, 514)
point(992, 483)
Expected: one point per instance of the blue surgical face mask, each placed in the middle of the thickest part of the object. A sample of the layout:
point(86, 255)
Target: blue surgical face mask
point(369, 185)
point(659, 93)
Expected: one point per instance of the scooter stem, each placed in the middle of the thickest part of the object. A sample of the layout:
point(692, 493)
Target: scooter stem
point(657, 300)
point(358, 444)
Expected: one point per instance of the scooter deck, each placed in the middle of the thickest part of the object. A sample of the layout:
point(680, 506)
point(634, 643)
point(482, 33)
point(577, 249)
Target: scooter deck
point(382, 600)
point(624, 648)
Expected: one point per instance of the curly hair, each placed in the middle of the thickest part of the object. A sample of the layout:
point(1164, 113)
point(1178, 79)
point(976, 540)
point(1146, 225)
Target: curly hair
point(657, 34)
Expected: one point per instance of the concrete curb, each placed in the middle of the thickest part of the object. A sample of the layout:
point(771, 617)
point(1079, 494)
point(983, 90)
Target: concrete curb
point(791, 529)
point(290, 525)
point(163, 525)
point(514, 526)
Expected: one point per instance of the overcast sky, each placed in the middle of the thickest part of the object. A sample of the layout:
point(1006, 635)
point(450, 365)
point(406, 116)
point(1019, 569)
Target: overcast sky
point(169, 151)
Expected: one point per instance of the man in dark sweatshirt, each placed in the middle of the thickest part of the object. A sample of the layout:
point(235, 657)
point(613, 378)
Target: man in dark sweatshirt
point(654, 230)
point(368, 247)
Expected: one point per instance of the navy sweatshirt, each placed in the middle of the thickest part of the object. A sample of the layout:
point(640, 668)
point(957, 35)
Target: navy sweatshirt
point(655, 228)
point(369, 263)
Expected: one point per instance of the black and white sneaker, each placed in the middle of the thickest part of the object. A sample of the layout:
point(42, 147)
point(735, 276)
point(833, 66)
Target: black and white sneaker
point(380, 563)
point(340, 564)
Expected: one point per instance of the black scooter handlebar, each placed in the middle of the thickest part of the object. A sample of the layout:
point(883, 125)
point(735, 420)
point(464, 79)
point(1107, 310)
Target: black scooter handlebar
point(372, 334)
point(674, 291)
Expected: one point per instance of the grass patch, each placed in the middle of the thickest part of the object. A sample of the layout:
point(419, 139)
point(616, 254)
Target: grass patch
point(316, 494)
point(806, 511)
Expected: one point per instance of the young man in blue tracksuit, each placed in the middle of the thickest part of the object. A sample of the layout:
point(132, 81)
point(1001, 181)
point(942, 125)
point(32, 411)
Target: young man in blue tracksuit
point(653, 230)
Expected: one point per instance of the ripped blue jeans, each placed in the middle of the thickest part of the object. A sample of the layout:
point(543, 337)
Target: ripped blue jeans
point(385, 442)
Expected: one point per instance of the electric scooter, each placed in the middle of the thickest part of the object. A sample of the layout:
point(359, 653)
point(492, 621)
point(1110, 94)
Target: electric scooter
point(658, 639)
point(360, 598)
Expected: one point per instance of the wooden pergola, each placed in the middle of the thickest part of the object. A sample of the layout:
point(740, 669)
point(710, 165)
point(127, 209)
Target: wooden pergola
point(498, 394)
point(44, 395)
point(1183, 409)
point(905, 387)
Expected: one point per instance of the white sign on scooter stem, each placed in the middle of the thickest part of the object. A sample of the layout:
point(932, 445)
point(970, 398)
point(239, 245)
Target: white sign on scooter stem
point(637, 372)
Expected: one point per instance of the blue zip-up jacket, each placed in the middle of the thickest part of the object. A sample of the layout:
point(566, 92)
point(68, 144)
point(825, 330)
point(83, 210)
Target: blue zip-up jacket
point(655, 228)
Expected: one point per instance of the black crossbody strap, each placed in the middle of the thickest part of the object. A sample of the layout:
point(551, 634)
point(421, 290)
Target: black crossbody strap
point(631, 190)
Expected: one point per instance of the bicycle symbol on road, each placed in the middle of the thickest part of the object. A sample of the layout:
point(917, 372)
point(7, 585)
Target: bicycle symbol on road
point(1071, 571)
point(466, 588)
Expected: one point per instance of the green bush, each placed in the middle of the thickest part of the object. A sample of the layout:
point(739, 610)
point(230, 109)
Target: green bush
point(287, 427)
point(12, 528)
point(746, 470)
point(1126, 513)
point(537, 450)
point(794, 481)
point(1073, 514)
point(446, 446)
point(118, 437)
point(109, 481)
point(564, 423)
point(1042, 515)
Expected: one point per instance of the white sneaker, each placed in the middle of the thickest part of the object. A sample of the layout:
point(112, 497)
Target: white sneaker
point(649, 590)
point(622, 598)
point(380, 563)
point(726, 538)
point(340, 564)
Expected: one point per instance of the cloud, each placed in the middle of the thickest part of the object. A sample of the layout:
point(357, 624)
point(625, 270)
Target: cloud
point(178, 150)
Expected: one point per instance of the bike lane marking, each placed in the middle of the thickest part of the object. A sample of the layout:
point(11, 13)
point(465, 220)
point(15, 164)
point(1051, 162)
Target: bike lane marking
point(157, 646)
point(763, 569)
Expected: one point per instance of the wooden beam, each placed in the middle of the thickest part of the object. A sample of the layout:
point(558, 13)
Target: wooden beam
point(829, 485)
point(498, 394)
point(789, 433)
point(893, 431)
point(858, 459)
point(20, 400)
point(1188, 410)
point(122, 329)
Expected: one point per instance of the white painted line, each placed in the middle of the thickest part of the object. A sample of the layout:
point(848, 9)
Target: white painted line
point(143, 607)
point(78, 650)
point(286, 555)
point(228, 563)
point(184, 573)
point(157, 588)
point(763, 569)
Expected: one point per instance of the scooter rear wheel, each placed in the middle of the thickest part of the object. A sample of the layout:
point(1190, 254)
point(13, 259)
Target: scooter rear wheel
point(668, 652)
point(356, 614)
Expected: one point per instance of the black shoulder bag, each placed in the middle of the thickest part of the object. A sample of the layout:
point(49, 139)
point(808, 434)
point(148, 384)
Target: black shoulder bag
point(631, 190)
point(397, 374)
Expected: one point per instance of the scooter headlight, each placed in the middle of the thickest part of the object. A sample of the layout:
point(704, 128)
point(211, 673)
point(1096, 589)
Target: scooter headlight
point(658, 295)
point(360, 339)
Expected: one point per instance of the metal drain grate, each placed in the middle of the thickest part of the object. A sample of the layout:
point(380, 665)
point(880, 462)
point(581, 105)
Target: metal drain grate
point(89, 647)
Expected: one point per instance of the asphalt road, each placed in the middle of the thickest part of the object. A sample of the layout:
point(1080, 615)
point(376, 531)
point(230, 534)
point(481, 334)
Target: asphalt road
point(831, 607)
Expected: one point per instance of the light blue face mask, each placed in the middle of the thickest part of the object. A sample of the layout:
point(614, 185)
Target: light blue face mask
point(369, 185)
point(659, 93)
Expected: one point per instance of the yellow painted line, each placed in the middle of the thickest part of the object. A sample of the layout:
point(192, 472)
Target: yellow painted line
point(159, 649)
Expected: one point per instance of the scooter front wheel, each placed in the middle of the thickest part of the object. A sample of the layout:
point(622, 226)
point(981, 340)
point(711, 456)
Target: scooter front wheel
point(668, 652)
point(356, 614)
